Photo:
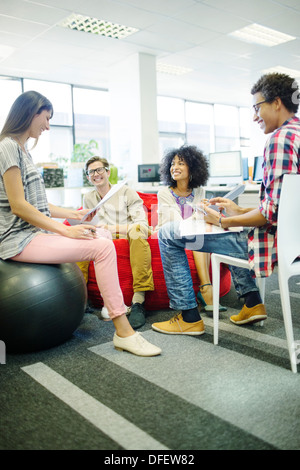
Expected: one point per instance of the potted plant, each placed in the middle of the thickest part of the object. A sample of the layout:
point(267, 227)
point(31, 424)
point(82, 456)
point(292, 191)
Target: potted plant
point(82, 152)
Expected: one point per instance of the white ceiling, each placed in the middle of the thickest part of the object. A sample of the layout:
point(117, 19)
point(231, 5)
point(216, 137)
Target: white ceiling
point(188, 33)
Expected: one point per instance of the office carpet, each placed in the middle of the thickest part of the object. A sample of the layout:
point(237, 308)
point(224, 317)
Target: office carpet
point(85, 395)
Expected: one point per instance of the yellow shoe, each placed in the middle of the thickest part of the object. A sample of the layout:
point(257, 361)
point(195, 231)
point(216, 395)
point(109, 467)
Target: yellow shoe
point(176, 326)
point(250, 315)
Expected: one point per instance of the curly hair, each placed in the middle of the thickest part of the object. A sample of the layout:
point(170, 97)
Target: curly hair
point(195, 160)
point(278, 85)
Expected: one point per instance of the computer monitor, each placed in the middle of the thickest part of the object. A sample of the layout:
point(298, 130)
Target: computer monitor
point(258, 169)
point(149, 173)
point(225, 168)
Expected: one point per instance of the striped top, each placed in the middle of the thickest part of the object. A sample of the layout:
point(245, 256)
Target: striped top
point(281, 156)
point(16, 233)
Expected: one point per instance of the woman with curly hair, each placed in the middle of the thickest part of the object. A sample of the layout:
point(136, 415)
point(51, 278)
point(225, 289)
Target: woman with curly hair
point(185, 172)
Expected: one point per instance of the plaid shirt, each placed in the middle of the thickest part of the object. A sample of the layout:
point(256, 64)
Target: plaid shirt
point(281, 156)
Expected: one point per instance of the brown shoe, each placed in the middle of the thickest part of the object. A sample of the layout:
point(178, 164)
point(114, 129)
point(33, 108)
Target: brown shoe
point(176, 326)
point(250, 315)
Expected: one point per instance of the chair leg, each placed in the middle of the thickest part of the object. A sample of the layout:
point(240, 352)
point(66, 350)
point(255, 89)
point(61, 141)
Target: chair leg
point(287, 318)
point(215, 264)
point(261, 284)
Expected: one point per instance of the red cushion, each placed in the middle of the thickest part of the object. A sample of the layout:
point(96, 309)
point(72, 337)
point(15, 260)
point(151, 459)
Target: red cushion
point(157, 299)
point(150, 206)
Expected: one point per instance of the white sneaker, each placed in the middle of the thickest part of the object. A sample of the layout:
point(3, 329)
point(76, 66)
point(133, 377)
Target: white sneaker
point(136, 344)
point(105, 314)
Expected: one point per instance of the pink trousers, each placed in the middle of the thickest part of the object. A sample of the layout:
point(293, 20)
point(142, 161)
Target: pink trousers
point(55, 249)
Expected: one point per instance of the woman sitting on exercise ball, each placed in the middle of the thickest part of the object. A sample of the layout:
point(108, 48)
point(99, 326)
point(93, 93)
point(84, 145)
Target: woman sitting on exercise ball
point(28, 233)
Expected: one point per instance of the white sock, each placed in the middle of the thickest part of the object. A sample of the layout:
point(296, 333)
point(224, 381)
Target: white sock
point(138, 297)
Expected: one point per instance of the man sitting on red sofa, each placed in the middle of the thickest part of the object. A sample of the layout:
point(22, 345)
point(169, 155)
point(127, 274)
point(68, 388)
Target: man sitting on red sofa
point(124, 216)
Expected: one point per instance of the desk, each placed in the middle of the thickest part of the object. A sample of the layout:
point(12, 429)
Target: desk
point(67, 197)
point(73, 197)
point(249, 198)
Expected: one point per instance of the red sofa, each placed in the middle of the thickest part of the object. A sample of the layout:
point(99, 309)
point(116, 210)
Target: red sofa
point(157, 299)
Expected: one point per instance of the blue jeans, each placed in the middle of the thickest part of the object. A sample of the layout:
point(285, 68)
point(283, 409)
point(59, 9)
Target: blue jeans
point(176, 267)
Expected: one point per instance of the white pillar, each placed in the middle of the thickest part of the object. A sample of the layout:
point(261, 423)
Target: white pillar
point(133, 122)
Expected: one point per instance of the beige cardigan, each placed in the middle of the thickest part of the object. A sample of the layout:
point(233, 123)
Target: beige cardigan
point(124, 207)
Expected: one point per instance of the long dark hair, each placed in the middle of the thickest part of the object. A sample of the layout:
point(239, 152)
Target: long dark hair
point(23, 110)
point(195, 160)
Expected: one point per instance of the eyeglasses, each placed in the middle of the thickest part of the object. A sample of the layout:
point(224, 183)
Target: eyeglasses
point(257, 105)
point(99, 171)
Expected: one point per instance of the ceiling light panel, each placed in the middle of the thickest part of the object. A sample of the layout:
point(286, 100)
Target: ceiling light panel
point(172, 69)
point(258, 34)
point(95, 26)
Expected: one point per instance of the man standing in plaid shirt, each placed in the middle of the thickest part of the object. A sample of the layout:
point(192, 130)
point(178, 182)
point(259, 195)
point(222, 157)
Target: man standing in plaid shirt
point(275, 104)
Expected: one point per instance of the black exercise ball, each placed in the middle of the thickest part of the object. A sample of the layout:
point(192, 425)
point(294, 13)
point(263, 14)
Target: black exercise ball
point(41, 305)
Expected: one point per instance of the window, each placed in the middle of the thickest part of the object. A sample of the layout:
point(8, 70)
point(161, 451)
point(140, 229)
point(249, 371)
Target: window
point(245, 126)
point(168, 142)
point(56, 145)
point(60, 96)
point(91, 116)
point(226, 128)
point(211, 127)
point(200, 126)
point(10, 89)
point(170, 114)
point(171, 123)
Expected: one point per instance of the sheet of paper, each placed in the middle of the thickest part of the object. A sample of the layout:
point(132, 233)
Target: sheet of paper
point(114, 189)
point(192, 226)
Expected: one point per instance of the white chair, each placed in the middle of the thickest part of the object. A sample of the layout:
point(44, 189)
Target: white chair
point(216, 260)
point(288, 240)
point(288, 243)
